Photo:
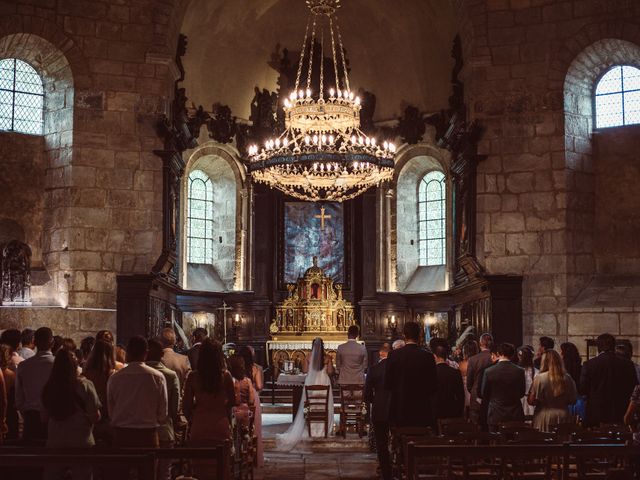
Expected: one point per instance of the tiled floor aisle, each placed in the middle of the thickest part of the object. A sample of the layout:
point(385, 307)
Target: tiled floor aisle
point(318, 466)
point(317, 460)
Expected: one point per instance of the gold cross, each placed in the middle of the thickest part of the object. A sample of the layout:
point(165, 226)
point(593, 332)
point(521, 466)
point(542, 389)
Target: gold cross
point(322, 218)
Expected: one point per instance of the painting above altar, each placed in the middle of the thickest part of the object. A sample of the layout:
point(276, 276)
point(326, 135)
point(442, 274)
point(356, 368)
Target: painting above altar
point(313, 229)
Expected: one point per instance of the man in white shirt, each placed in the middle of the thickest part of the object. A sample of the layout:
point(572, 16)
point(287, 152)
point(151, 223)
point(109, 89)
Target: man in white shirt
point(27, 349)
point(31, 377)
point(172, 360)
point(137, 399)
point(351, 359)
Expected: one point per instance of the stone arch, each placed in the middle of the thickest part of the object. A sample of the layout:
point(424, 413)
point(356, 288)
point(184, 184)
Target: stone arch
point(60, 64)
point(222, 163)
point(398, 257)
point(580, 80)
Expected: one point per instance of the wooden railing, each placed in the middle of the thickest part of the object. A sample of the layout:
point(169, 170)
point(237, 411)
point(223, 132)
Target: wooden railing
point(141, 459)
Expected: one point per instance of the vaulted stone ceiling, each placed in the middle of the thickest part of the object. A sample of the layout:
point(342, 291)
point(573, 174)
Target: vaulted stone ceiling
point(398, 49)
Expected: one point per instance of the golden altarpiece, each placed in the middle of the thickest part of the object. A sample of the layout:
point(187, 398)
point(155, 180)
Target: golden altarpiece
point(314, 308)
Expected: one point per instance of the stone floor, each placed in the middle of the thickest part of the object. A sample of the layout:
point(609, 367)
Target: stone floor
point(317, 459)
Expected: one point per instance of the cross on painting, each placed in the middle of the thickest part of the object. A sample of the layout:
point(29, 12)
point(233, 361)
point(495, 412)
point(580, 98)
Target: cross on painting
point(322, 217)
point(313, 229)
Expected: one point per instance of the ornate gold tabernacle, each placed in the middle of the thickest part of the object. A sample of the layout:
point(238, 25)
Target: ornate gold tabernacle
point(314, 308)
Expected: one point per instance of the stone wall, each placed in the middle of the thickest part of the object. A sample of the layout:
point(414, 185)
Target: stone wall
point(22, 163)
point(108, 70)
point(617, 214)
point(536, 186)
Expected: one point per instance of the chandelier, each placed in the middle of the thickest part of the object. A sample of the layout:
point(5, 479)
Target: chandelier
point(322, 153)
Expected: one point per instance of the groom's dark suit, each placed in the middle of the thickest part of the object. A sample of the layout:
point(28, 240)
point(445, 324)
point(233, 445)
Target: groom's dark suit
point(411, 377)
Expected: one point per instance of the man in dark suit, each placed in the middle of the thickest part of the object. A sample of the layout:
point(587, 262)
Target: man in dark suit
point(607, 381)
point(198, 336)
point(476, 365)
point(503, 387)
point(378, 396)
point(545, 344)
point(410, 375)
point(449, 399)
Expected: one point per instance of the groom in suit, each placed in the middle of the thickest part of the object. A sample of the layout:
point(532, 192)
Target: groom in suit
point(351, 359)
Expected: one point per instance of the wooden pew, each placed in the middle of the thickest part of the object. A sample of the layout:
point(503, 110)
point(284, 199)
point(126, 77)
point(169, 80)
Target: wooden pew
point(143, 459)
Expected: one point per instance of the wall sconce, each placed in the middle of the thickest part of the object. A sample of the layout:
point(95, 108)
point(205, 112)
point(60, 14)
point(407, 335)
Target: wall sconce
point(392, 324)
point(236, 324)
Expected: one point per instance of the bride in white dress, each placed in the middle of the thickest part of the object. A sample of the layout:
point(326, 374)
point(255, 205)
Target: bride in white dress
point(317, 375)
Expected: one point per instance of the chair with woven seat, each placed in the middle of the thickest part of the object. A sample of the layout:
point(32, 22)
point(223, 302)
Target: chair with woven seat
point(316, 406)
point(352, 409)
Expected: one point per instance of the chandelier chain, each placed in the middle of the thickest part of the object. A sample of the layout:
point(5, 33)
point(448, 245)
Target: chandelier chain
point(333, 52)
point(304, 45)
point(344, 62)
point(313, 41)
point(322, 64)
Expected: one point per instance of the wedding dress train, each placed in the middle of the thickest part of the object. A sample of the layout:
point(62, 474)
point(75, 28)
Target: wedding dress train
point(297, 431)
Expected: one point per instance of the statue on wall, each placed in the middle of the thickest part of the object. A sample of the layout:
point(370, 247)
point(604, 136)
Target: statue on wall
point(16, 274)
point(221, 124)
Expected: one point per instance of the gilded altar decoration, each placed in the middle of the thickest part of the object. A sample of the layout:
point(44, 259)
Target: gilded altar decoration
point(314, 307)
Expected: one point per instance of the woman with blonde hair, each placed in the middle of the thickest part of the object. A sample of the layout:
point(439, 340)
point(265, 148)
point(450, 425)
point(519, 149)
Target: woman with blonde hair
point(552, 392)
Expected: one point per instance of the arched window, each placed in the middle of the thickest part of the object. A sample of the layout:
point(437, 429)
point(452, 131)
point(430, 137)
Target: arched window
point(432, 219)
point(617, 97)
point(21, 97)
point(200, 218)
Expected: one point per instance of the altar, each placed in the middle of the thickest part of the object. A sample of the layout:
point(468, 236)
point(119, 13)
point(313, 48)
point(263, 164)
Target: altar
point(314, 308)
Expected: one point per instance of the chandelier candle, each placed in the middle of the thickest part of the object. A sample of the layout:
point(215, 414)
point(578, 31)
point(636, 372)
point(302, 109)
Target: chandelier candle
point(322, 153)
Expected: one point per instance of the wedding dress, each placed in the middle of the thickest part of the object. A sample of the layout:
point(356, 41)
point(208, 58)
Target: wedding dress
point(298, 429)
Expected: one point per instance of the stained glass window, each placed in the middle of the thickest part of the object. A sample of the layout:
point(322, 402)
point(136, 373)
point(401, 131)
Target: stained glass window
point(200, 218)
point(21, 97)
point(617, 98)
point(432, 219)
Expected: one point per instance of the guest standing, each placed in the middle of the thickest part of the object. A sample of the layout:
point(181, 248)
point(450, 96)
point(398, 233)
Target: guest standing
point(476, 366)
point(245, 394)
point(469, 349)
point(525, 361)
point(376, 395)
point(209, 397)
point(631, 415)
point(410, 375)
point(199, 334)
point(573, 366)
point(71, 407)
point(351, 359)
point(449, 397)
point(256, 376)
point(544, 344)
point(503, 387)
point(174, 361)
point(31, 377)
point(107, 336)
point(552, 393)
point(3, 408)
point(11, 338)
point(607, 381)
point(9, 384)
point(137, 399)
point(27, 349)
point(99, 367)
point(166, 432)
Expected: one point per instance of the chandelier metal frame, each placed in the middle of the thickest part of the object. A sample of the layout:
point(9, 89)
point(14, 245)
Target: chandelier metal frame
point(322, 155)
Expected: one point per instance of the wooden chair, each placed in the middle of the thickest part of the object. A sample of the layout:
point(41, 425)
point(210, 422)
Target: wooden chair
point(316, 406)
point(352, 408)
